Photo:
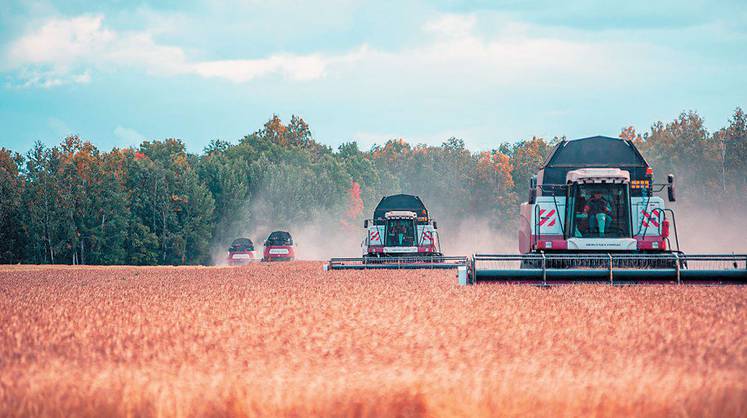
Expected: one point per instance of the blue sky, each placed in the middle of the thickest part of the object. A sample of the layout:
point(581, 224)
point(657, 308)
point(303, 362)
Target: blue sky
point(118, 72)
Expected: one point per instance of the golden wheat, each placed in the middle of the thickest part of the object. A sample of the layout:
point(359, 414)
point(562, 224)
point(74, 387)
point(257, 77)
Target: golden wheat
point(291, 340)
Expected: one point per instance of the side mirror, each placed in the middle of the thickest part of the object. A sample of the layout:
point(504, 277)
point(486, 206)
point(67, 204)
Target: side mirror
point(365, 223)
point(670, 188)
point(532, 190)
point(435, 225)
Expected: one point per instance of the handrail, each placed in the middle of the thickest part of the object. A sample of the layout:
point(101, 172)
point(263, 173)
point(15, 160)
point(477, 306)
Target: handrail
point(674, 227)
point(536, 227)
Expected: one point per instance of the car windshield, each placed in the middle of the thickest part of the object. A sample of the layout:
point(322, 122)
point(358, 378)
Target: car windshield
point(279, 238)
point(242, 244)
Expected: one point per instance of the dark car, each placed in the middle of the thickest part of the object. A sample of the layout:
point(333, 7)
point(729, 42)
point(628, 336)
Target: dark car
point(279, 247)
point(241, 251)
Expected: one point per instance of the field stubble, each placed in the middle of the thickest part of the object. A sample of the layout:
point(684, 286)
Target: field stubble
point(291, 340)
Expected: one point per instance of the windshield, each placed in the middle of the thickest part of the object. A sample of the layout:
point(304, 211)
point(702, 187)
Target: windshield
point(279, 238)
point(600, 211)
point(400, 233)
point(242, 244)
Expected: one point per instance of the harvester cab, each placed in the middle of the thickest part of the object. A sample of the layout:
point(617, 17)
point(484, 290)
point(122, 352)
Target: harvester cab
point(401, 226)
point(401, 234)
point(399, 231)
point(593, 214)
point(598, 209)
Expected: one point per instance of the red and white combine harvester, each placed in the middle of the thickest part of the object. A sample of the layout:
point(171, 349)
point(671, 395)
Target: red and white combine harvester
point(593, 215)
point(401, 234)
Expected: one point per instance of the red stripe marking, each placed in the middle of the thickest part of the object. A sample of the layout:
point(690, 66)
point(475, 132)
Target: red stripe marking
point(650, 218)
point(549, 217)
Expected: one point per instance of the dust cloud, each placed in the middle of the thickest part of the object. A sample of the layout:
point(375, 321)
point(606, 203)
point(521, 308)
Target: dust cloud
point(700, 230)
point(474, 235)
point(324, 237)
point(320, 237)
point(718, 230)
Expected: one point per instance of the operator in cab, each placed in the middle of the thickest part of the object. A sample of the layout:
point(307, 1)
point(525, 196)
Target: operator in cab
point(599, 213)
point(397, 233)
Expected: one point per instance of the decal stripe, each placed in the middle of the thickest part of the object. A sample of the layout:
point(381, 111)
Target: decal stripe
point(650, 219)
point(550, 217)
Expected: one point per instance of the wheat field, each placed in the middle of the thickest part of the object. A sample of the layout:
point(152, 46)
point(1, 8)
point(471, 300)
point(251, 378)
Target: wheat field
point(292, 340)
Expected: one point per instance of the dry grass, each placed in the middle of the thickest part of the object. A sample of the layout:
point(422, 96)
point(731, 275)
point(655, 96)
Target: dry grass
point(291, 340)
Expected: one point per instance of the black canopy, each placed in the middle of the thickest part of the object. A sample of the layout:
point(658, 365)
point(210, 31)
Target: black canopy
point(399, 202)
point(593, 152)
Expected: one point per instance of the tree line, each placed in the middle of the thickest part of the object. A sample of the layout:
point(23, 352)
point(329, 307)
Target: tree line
point(159, 204)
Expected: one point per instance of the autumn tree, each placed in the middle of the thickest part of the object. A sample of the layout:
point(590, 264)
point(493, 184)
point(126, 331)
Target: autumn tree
point(526, 158)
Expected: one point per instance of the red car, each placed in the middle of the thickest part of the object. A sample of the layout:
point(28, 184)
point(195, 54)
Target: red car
point(279, 247)
point(241, 252)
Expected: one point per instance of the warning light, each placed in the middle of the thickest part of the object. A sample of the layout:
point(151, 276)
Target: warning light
point(649, 171)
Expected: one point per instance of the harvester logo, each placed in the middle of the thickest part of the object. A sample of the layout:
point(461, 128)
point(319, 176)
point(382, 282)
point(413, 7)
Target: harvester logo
point(650, 219)
point(427, 236)
point(548, 219)
point(375, 236)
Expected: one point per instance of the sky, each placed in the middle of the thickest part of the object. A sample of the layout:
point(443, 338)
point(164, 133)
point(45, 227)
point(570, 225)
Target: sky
point(120, 72)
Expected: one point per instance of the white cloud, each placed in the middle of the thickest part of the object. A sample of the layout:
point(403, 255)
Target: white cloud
point(82, 78)
point(451, 25)
point(62, 50)
point(291, 66)
point(139, 50)
point(46, 55)
point(61, 41)
point(128, 136)
point(46, 78)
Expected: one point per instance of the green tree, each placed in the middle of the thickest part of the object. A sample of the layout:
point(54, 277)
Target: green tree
point(732, 146)
point(11, 190)
point(171, 201)
point(42, 218)
point(674, 148)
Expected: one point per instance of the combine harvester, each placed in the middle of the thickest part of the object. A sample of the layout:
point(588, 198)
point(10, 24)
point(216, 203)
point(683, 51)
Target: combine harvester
point(401, 235)
point(593, 216)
